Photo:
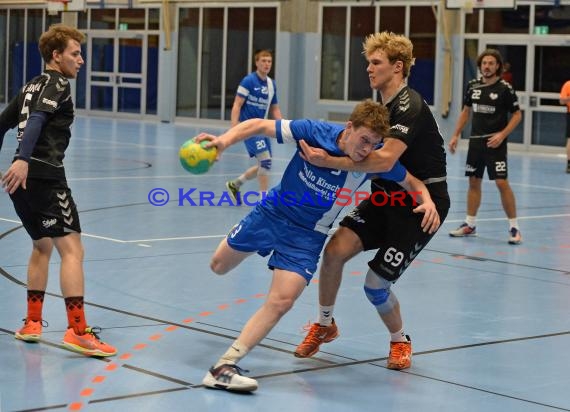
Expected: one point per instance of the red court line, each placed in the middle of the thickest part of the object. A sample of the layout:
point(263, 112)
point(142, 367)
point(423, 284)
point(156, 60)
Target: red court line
point(75, 406)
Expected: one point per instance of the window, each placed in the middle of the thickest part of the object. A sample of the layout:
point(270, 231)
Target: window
point(343, 67)
point(188, 26)
point(3, 30)
point(215, 51)
point(361, 24)
point(237, 54)
point(212, 63)
point(333, 53)
point(506, 20)
point(423, 27)
point(16, 44)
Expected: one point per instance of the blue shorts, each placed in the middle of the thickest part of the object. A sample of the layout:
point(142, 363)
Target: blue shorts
point(257, 144)
point(295, 248)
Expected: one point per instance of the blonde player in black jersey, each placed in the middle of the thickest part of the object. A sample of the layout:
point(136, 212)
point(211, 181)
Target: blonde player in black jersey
point(491, 100)
point(394, 231)
point(36, 182)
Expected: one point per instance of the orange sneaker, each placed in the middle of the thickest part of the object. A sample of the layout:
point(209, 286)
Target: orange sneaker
point(317, 334)
point(32, 330)
point(88, 344)
point(400, 355)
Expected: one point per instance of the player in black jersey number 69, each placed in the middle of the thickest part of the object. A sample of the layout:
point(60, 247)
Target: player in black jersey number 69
point(395, 232)
point(43, 112)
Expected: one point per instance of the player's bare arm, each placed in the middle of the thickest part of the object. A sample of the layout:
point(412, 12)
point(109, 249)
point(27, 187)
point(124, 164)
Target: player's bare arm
point(380, 160)
point(238, 133)
point(236, 108)
point(461, 122)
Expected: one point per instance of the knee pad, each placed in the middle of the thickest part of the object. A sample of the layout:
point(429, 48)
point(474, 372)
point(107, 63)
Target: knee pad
point(265, 164)
point(264, 167)
point(382, 299)
point(377, 296)
point(378, 292)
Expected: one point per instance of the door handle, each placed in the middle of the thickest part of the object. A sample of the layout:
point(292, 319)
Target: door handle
point(533, 101)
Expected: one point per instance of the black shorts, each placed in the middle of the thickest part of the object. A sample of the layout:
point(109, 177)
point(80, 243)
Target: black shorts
point(46, 208)
point(394, 230)
point(479, 157)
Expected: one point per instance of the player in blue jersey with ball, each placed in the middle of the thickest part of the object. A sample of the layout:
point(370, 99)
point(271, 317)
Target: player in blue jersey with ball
point(256, 97)
point(294, 232)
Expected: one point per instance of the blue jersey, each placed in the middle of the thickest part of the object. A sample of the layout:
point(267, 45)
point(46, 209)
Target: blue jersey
point(307, 194)
point(255, 91)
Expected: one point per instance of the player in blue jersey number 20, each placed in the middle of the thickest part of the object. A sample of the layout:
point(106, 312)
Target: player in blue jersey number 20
point(294, 232)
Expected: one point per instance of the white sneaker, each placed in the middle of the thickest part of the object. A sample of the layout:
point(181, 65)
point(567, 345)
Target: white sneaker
point(463, 230)
point(229, 377)
point(515, 237)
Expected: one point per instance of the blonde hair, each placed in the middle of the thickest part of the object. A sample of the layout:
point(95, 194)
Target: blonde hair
point(372, 115)
point(396, 47)
point(56, 39)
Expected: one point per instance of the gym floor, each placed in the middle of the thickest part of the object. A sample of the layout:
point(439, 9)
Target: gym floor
point(489, 322)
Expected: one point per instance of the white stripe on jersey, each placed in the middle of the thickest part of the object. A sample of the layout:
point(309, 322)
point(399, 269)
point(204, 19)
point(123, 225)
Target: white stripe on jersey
point(353, 181)
point(242, 91)
point(286, 133)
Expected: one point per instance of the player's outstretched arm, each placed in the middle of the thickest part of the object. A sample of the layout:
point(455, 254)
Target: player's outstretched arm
point(243, 130)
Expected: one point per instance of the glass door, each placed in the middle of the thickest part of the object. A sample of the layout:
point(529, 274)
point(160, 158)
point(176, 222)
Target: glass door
point(537, 75)
point(116, 81)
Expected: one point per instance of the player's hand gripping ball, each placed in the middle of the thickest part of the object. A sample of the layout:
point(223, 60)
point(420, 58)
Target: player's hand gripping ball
point(195, 158)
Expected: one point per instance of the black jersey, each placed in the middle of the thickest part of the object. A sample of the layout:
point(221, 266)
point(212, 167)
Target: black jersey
point(491, 105)
point(412, 122)
point(50, 93)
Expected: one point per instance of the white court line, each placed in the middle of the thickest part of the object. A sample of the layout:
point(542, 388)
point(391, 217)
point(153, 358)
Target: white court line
point(188, 175)
point(10, 220)
point(82, 234)
point(447, 221)
point(515, 184)
point(183, 176)
point(104, 238)
point(175, 238)
point(492, 219)
point(133, 241)
point(164, 239)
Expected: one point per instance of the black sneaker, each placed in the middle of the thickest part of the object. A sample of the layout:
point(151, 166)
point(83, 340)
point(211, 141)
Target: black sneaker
point(233, 191)
point(229, 377)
